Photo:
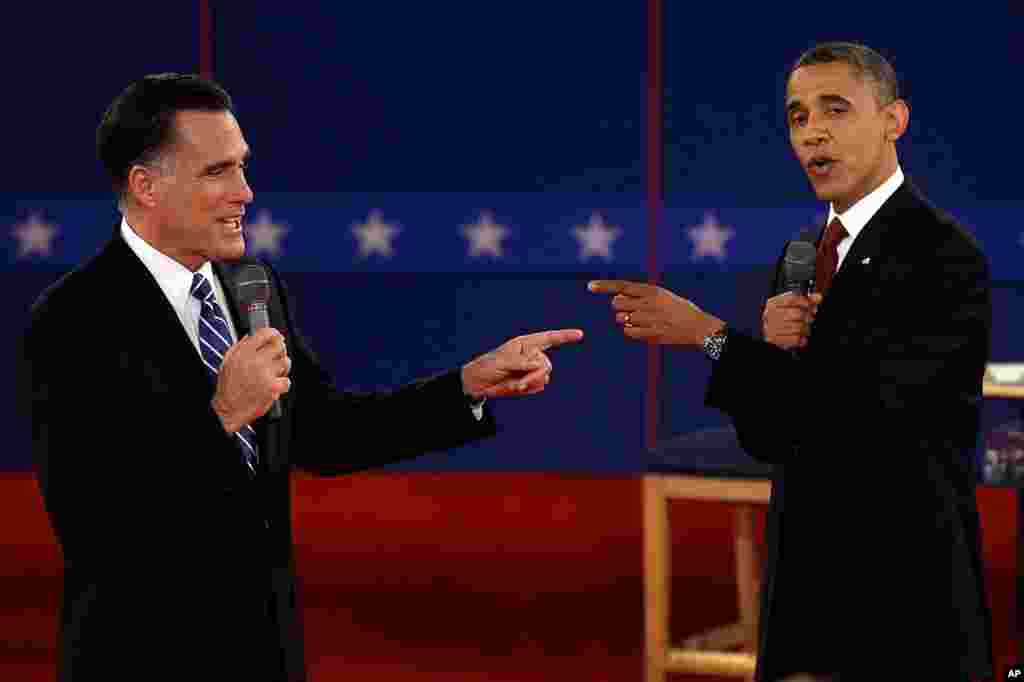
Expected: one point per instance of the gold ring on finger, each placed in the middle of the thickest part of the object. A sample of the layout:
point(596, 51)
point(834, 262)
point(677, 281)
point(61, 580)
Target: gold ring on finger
point(628, 320)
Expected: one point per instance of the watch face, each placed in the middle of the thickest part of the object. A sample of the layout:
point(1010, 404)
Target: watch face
point(714, 344)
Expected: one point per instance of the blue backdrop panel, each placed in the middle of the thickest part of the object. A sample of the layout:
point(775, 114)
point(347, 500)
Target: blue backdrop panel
point(464, 96)
point(65, 63)
point(725, 69)
point(533, 114)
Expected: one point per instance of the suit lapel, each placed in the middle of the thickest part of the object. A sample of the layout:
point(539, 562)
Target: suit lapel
point(156, 339)
point(868, 244)
point(155, 326)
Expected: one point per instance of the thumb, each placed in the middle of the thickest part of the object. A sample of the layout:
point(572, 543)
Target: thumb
point(815, 298)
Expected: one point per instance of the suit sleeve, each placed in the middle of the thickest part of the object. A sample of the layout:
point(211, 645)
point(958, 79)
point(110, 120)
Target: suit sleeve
point(747, 384)
point(338, 431)
point(747, 360)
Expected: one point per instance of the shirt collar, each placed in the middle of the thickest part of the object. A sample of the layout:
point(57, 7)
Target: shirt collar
point(173, 277)
point(857, 216)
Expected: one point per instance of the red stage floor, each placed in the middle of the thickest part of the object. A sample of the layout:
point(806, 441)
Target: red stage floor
point(463, 577)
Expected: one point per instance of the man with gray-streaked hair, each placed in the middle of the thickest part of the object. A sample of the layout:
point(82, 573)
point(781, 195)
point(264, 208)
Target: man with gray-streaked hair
point(166, 419)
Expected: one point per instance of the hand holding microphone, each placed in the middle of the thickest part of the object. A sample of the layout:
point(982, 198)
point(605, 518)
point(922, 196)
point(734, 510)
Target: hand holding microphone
point(255, 370)
point(786, 321)
point(252, 377)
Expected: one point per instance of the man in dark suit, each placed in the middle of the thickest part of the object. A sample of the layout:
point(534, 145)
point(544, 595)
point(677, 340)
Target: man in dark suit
point(165, 479)
point(864, 395)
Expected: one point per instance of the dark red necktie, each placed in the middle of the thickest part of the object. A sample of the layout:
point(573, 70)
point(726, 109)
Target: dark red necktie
point(828, 255)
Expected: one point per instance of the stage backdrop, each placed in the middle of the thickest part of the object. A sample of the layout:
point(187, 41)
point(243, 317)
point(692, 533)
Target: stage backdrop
point(433, 178)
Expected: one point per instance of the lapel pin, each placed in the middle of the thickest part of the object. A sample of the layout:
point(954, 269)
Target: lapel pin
point(866, 261)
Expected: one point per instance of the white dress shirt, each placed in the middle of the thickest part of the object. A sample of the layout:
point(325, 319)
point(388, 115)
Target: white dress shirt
point(175, 281)
point(857, 216)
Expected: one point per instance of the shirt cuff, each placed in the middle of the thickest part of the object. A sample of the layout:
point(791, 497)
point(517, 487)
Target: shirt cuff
point(478, 408)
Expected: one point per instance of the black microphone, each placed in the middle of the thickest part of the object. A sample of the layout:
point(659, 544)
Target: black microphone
point(798, 267)
point(252, 287)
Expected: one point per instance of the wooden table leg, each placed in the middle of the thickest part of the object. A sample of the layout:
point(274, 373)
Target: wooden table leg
point(748, 572)
point(741, 635)
point(657, 593)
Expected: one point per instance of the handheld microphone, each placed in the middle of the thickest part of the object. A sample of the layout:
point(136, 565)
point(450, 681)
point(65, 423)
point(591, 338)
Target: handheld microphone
point(252, 287)
point(798, 267)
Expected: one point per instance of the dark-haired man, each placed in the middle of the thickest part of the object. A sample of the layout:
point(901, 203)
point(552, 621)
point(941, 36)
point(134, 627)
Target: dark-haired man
point(865, 396)
point(166, 485)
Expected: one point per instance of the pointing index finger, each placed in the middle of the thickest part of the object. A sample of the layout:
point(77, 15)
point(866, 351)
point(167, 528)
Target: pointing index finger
point(617, 286)
point(550, 339)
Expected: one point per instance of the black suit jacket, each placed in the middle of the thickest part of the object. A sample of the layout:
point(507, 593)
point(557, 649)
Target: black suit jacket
point(873, 531)
point(178, 564)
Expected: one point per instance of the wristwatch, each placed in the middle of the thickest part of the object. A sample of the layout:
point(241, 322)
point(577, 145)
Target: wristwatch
point(715, 343)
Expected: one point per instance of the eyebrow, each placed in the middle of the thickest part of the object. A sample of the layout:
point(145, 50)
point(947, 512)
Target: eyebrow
point(227, 164)
point(834, 99)
point(827, 99)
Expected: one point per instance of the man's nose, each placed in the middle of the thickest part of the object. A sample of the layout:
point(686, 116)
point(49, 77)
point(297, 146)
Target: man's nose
point(815, 133)
point(245, 194)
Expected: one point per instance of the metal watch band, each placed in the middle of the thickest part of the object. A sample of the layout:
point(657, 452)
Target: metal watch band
point(714, 344)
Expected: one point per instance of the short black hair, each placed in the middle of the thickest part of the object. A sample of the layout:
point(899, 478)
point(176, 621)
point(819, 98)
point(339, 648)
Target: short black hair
point(867, 63)
point(139, 123)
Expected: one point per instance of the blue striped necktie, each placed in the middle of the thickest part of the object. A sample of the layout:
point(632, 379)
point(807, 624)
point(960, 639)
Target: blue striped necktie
point(214, 341)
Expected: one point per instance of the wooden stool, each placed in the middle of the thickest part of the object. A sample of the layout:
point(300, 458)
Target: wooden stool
point(715, 651)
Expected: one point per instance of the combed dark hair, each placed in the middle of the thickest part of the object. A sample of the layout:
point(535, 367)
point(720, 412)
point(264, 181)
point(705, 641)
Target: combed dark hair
point(139, 123)
point(866, 63)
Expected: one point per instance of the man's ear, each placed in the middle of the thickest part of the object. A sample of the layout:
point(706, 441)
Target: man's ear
point(142, 185)
point(897, 118)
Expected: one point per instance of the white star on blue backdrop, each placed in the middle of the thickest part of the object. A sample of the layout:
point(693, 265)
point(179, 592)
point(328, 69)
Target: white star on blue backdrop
point(709, 238)
point(264, 235)
point(484, 236)
point(596, 238)
point(35, 236)
point(375, 235)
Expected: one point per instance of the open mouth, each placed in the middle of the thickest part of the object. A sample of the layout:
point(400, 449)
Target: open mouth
point(233, 223)
point(821, 166)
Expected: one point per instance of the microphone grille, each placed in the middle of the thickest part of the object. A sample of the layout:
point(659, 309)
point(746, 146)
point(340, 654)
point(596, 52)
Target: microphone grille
point(799, 261)
point(252, 285)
